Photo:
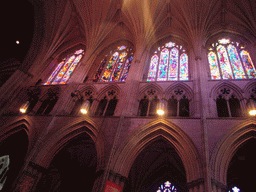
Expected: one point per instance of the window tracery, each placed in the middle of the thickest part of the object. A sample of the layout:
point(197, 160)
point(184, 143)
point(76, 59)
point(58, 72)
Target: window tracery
point(65, 68)
point(178, 103)
point(148, 103)
point(168, 63)
point(107, 104)
point(167, 187)
point(115, 66)
point(228, 60)
point(228, 104)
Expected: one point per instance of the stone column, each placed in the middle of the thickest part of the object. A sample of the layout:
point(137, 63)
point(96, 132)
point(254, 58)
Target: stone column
point(29, 178)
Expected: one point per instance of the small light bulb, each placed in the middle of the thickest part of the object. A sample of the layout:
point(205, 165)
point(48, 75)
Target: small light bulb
point(83, 111)
point(252, 112)
point(160, 112)
point(17, 42)
point(23, 110)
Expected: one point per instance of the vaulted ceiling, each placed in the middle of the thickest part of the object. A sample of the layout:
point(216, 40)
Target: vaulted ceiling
point(99, 23)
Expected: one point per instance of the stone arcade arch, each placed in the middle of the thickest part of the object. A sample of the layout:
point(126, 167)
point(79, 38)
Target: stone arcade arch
point(184, 146)
point(14, 143)
point(60, 139)
point(225, 150)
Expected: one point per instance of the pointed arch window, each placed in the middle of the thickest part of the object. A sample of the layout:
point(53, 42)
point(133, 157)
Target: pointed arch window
point(115, 66)
point(228, 105)
point(65, 68)
point(168, 63)
point(228, 60)
point(167, 187)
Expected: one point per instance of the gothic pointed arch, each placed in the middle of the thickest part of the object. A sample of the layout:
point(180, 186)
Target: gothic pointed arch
point(131, 147)
point(227, 146)
point(58, 139)
point(228, 97)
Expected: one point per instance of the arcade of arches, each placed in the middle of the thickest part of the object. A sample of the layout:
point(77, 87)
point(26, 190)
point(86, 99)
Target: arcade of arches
point(80, 113)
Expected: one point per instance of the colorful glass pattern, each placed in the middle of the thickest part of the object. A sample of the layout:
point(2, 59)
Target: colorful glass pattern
point(248, 64)
point(184, 66)
point(170, 44)
point(70, 70)
point(224, 62)
point(173, 65)
point(122, 48)
point(109, 67)
point(63, 71)
point(236, 63)
point(126, 68)
point(54, 73)
point(118, 67)
point(235, 189)
point(153, 68)
point(167, 187)
point(102, 66)
point(162, 70)
point(214, 68)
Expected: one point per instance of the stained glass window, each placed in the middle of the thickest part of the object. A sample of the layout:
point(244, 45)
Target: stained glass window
point(115, 67)
point(167, 187)
point(225, 62)
point(169, 63)
point(248, 65)
point(65, 68)
point(235, 189)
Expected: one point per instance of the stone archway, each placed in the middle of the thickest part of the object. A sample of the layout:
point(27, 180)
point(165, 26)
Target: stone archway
point(163, 130)
point(15, 146)
point(227, 147)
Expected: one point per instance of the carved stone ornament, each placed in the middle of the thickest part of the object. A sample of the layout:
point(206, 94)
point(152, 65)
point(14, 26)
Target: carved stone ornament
point(4, 164)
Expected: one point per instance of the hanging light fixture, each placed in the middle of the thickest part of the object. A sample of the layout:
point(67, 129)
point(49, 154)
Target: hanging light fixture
point(85, 107)
point(24, 107)
point(160, 108)
point(252, 106)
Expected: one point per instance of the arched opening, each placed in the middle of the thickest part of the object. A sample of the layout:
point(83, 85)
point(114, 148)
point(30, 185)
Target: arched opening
point(156, 164)
point(222, 107)
point(143, 106)
point(15, 146)
point(73, 167)
point(242, 167)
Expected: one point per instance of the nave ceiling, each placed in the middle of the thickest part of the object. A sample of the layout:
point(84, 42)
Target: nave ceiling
point(100, 23)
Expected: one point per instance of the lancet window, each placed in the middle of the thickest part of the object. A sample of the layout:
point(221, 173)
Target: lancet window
point(228, 105)
point(115, 66)
point(107, 104)
point(229, 60)
point(169, 63)
point(65, 68)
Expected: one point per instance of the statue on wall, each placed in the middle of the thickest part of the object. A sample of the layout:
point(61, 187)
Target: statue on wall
point(4, 167)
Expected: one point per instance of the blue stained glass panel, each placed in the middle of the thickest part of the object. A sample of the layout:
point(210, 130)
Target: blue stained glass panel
point(214, 68)
point(248, 64)
point(153, 68)
point(184, 67)
point(224, 62)
point(163, 64)
point(236, 63)
point(173, 65)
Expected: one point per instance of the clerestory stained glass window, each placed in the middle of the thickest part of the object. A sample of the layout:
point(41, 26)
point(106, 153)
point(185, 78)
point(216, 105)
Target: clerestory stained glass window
point(168, 63)
point(228, 60)
point(65, 68)
point(115, 66)
point(167, 187)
